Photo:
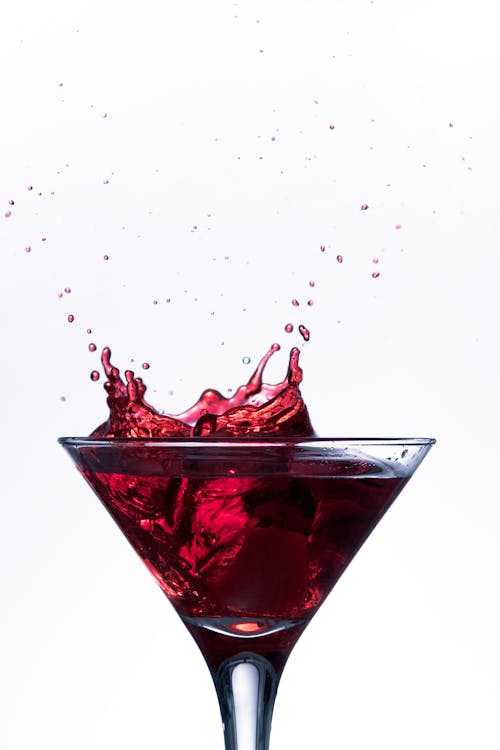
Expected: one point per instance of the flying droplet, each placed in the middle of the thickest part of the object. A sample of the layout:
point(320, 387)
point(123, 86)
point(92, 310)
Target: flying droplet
point(28, 250)
point(67, 289)
point(304, 332)
point(92, 347)
point(11, 202)
point(89, 330)
point(145, 365)
point(310, 302)
point(398, 226)
point(30, 187)
point(295, 302)
point(71, 318)
point(8, 214)
point(312, 283)
point(94, 375)
point(322, 248)
point(106, 257)
point(63, 398)
point(246, 360)
point(375, 275)
point(289, 328)
point(364, 206)
point(332, 127)
point(155, 302)
point(375, 260)
point(60, 294)
point(340, 259)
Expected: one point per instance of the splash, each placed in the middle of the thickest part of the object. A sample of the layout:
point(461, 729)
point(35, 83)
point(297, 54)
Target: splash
point(255, 408)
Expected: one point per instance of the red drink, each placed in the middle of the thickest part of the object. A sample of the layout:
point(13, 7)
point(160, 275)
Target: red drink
point(246, 540)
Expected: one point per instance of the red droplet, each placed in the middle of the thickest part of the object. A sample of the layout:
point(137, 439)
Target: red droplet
point(312, 283)
point(340, 259)
point(67, 289)
point(398, 226)
point(310, 302)
point(322, 248)
point(92, 347)
point(364, 206)
point(71, 318)
point(94, 375)
point(295, 302)
point(63, 398)
point(7, 214)
point(145, 365)
point(304, 333)
point(106, 257)
point(375, 260)
point(289, 328)
point(375, 275)
point(28, 250)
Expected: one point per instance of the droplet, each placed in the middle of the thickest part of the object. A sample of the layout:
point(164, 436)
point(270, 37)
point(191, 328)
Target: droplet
point(332, 127)
point(398, 226)
point(89, 330)
point(340, 259)
point(30, 187)
point(145, 365)
point(104, 115)
point(28, 250)
point(11, 202)
point(374, 260)
point(168, 299)
point(155, 302)
point(92, 347)
point(312, 283)
point(322, 248)
point(63, 398)
point(94, 375)
point(310, 302)
point(71, 318)
point(295, 302)
point(404, 453)
point(246, 360)
point(60, 85)
point(304, 332)
point(106, 257)
point(67, 289)
point(8, 214)
point(375, 275)
point(60, 294)
point(289, 328)
point(44, 239)
point(105, 182)
point(364, 206)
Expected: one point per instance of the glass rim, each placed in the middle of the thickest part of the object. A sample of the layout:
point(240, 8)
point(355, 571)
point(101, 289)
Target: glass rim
point(250, 440)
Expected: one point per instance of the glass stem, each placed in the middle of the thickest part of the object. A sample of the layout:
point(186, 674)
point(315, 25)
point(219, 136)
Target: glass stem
point(246, 687)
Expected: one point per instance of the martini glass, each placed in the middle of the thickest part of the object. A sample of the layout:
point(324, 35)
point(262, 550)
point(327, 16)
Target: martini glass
point(246, 537)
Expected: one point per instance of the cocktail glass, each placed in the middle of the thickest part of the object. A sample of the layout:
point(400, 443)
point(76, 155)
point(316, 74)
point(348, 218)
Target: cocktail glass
point(246, 537)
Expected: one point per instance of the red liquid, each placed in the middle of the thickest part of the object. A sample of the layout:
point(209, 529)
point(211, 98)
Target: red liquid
point(246, 548)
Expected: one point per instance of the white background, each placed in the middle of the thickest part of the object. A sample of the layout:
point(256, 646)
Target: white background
point(164, 122)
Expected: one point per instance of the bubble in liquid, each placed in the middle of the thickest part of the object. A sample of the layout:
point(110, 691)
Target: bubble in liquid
point(289, 328)
point(295, 302)
point(145, 365)
point(364, 206)
point(304, 332)
point(92, 347)
point(94, 375)
point(71, 318)
point(340, 259)
point(27, 249)
point(246, 360)
point(375, 275)
point(67, 289)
